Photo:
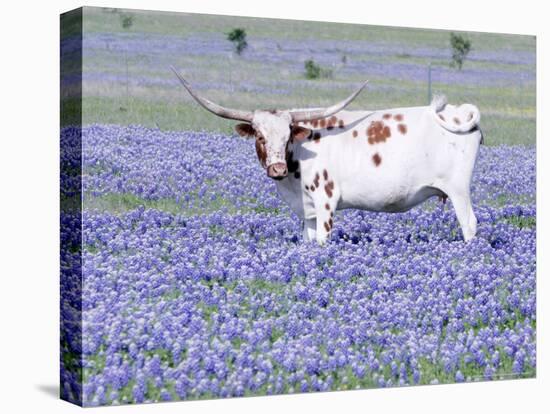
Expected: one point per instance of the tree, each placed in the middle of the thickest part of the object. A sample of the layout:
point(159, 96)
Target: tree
point(238, 38)
point(126, 21)
point(314, 71)
point(461, 47)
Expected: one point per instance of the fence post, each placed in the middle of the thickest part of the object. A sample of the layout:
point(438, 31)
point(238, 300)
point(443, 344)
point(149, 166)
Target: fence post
point(429, 83)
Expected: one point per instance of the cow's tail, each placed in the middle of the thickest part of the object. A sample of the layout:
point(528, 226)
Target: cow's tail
point(463, 118)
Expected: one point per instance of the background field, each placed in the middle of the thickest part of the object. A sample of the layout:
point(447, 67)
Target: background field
point(195, 281)
point(127, 78)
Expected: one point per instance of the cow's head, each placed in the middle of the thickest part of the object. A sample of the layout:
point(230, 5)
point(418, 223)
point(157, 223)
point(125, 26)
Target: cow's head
point(272, 129)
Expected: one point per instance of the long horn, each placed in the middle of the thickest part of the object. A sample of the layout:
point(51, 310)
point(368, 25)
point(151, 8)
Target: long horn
point(215, 108)
point(313, 114)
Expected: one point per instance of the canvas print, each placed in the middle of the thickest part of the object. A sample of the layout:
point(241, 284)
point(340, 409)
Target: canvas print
point(256, 206)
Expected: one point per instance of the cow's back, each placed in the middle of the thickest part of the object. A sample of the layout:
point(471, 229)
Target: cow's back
point(387, 160)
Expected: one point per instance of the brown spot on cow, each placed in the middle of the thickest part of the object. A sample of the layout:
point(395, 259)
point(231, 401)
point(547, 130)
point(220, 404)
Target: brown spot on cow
point(330, 222)
point(378, 132)
point(315, 123)
point(398, 117)
point(456, 120)
point(441, 117)
point(299, 133)
point(333, 119)
point(327, 206)
point(261, 152)
point(316, 180)
point(329, 187)
point(332, 214)
point(322, 123)
point(341, 123)
point(354, 134)
point(376, 159)
point(470, 116)
point(325, 175)
point(386, 116)
point(317, 137)
point(327, 227)
point(245, 130)
point(307, 187)
point(402, 128)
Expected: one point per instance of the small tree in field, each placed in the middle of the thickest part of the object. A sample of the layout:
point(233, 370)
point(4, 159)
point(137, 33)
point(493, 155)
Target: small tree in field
point(461, 47)
point(238, 38)
point(126, 21)
point(314, 71)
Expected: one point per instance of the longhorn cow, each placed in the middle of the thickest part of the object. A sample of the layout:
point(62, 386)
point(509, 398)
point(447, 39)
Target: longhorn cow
point(328, 159)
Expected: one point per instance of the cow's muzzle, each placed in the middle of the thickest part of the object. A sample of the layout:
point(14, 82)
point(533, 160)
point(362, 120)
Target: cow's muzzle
point(277, 171)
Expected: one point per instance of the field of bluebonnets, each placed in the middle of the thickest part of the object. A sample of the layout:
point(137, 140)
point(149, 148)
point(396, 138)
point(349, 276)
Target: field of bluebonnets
point(195, 281)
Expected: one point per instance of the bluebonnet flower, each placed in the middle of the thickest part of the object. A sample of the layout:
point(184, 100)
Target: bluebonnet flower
point(195, 301)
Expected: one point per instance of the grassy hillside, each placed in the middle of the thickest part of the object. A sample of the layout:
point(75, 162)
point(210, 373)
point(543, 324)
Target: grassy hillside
point(127, 78)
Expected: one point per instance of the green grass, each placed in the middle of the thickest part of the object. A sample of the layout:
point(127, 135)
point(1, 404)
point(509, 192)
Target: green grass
point(498, 199)
point(508, 113)
point(522, 221)
point(71, 23)
point(118, 203)
point(99, 19)
point(509, 122)
point(71, 111)
point(497, 129)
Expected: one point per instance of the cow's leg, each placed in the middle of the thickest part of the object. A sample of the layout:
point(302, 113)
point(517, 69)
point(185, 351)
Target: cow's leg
point(309, 229)
point(324, 208)
point(323, 230)
point(325, 194)
point(464, 212)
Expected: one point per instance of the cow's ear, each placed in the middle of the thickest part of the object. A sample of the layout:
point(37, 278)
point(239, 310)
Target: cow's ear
point(300, 133)
point(245, 130)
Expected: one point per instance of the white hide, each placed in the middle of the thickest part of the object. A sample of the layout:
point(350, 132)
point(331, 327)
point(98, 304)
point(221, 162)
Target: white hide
point(434, 157)
point(275, 129)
